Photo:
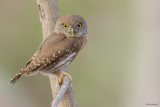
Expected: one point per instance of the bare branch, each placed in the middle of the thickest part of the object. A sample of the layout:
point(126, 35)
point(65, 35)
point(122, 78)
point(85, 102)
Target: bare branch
point(61, 92)
point(49, 14)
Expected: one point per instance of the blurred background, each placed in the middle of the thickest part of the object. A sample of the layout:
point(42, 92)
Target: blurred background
point(119, 67)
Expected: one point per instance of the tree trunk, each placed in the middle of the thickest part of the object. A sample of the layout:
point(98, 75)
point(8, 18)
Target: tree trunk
point(49, 14)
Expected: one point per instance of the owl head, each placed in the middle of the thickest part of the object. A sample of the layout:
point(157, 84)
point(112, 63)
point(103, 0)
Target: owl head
point(71, 26)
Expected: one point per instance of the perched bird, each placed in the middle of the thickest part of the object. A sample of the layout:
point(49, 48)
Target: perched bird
point(59, 49)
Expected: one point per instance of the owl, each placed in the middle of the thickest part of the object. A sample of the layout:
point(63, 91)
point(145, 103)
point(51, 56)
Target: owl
point(58, 49)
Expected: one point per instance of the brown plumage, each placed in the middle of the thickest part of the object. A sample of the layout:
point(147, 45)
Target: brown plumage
point(59, 49)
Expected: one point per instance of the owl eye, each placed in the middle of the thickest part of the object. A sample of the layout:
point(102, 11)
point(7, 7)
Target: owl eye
point(65, 26)
point(79, 26)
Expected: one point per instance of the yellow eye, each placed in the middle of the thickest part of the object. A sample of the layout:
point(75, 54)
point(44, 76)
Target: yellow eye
point(65, 26)
point(79, 26)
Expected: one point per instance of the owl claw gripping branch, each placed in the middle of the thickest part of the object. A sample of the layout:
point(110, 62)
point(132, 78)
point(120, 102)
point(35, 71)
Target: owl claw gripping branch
point(60, 79)
point(59, 49)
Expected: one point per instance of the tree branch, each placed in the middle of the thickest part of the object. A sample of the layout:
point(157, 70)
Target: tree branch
point(49, 14)
point(61, 92)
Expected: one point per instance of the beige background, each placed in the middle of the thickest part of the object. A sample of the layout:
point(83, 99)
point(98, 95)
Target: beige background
point(119, 67)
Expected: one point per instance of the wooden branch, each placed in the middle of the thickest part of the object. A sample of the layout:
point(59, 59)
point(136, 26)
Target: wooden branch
point(49, 14)
point(60, 94)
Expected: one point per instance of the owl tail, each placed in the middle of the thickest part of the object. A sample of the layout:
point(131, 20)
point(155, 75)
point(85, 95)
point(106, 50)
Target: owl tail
point(17, 76)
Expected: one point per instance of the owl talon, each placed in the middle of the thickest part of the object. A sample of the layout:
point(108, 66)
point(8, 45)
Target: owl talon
point(60, 79)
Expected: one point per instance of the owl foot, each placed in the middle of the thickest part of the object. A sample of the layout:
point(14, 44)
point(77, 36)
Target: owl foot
point(60, 78)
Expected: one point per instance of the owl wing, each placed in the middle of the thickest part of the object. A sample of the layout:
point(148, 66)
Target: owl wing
point(53, 49)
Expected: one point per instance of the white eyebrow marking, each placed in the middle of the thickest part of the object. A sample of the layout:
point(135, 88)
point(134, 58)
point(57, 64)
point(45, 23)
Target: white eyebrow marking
point(59, 52)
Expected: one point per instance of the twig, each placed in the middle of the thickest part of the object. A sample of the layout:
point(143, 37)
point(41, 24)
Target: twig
point(61, 92)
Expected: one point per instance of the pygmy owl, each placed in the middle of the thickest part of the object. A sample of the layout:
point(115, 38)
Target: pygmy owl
point(58, 49)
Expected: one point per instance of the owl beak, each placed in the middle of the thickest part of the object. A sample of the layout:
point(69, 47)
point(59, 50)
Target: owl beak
point(72, 31)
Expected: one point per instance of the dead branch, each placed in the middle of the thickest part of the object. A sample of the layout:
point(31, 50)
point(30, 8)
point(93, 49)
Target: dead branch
point(49, 14)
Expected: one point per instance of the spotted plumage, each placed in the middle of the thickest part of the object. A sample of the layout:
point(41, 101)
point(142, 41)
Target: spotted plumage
point(59, 49)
